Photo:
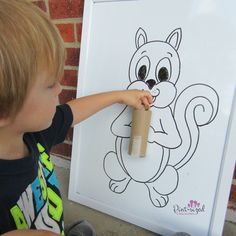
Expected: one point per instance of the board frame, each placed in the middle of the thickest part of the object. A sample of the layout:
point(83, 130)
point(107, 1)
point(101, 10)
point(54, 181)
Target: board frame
point(227, 165)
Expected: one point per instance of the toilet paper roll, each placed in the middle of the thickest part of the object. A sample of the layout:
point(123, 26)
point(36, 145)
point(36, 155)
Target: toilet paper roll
point(139, 132)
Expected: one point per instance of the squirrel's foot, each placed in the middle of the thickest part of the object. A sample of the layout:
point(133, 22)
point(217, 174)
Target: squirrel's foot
point(157, 199)
point(119, 186)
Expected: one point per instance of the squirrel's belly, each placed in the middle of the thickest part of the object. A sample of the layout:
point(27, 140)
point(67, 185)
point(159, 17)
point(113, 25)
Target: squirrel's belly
point(142, 169)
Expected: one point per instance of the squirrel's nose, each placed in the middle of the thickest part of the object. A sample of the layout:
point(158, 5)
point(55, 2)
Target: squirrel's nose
point(151, 83)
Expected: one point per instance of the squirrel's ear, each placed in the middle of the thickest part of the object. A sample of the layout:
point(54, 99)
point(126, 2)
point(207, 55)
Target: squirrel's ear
point(140, 38)
point(174, 39)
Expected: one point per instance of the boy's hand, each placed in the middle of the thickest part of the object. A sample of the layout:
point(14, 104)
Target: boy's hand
point(86, 106)
point(136, 98)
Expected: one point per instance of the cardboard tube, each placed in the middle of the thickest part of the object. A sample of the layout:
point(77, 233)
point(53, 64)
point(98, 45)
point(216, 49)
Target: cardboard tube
point(139, 132)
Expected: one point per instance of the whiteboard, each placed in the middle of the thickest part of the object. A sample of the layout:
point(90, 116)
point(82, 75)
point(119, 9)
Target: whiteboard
point(184, 53)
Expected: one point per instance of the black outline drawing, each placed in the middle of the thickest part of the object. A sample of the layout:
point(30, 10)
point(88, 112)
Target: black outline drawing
point(176, 121)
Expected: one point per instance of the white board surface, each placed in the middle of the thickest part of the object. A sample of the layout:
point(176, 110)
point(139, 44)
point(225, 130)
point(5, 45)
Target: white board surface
point(183, 52)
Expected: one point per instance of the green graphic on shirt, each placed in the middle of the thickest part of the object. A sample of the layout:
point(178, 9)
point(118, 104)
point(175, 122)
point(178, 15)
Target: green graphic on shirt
point(40, 148)
point(19, 218)
point(45, 157)
point(42, 184)
point(40, 203)
point(56, 208)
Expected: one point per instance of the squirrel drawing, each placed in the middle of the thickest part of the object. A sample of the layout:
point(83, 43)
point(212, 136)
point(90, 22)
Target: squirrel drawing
point(174, 131)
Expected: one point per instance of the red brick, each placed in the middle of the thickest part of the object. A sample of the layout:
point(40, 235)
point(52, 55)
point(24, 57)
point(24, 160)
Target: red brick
point(79, 31)
point(67, 32)
point(67, 95)
point(62, 149)
point(66, 8)
point(232, 196)
point(41, 4)
point(72, 56)
point(70, 78)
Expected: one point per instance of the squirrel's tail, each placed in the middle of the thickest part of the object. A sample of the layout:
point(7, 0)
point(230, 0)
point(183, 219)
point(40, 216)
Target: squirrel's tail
point(196, 106)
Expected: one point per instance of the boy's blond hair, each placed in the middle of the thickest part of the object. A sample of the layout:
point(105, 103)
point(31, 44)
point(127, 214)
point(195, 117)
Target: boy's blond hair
point(29, 42)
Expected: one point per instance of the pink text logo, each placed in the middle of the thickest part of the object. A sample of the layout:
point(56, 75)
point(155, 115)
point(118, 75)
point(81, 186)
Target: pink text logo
point(192, 208)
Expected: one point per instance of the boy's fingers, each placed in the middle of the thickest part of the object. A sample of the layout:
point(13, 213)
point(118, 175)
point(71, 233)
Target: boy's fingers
point(148, 96)
point(147, 99)
point(140, 107)
point(150, 99)
point(145, 102)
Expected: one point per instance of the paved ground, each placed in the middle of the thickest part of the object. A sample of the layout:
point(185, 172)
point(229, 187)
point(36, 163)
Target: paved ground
point(106, 225)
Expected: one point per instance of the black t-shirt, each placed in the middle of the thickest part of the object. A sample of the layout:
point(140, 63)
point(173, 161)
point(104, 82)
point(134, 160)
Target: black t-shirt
point(29, 192)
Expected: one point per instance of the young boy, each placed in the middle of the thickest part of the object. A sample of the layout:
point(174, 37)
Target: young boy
point(31, 63)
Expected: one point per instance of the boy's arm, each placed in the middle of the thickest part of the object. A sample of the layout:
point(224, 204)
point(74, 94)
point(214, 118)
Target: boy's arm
point(86, 106)
point(30, 233)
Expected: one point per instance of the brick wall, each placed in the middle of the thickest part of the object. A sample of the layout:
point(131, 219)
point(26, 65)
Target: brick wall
point(67, 15)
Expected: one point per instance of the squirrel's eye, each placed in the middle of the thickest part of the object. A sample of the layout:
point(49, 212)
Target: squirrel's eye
point(163, 74)
point(142, 68)
point(163, 70)
point(142, 72)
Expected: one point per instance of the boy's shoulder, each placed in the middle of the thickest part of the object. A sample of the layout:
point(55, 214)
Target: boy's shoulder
point(58, 129)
